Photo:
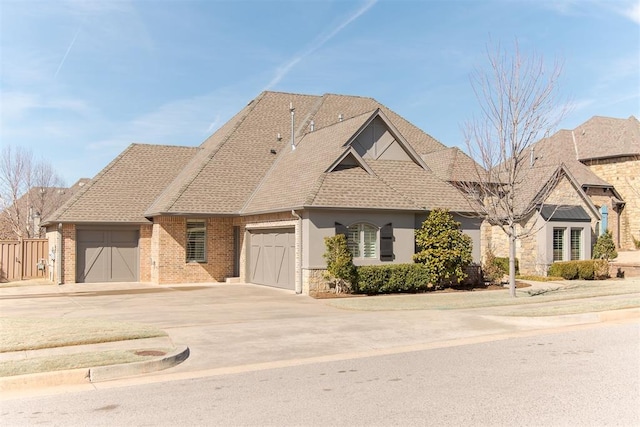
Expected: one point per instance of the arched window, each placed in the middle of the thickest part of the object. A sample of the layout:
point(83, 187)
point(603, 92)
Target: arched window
point(362, 240)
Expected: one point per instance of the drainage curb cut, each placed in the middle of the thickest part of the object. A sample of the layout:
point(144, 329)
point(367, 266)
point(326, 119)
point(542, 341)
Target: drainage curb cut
point(89, 375)
point(109, 372)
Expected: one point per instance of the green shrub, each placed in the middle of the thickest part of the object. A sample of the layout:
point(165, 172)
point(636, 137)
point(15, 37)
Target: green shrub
point(601, 269)
point(586, 270)
point(583, 270)
point(503, 263)
point(568, 270)
point(443, 248)
point(604, 247)
point(340, 268)
point(494, 268)
point(394, 278)
point(491, 271)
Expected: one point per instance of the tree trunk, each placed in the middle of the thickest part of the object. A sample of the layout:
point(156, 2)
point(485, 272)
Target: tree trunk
point(512, 260)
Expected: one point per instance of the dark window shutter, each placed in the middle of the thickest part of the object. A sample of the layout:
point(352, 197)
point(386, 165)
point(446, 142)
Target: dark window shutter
point(386, 243)
point(341, 229)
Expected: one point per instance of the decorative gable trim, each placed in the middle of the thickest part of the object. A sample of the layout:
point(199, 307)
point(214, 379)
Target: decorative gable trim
point(563, 170)
point(404, 144)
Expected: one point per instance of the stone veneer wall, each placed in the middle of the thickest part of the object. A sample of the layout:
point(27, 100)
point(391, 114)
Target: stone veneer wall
point(564, 193)
point(624, 174)
point(313, 280)
point(599, 198)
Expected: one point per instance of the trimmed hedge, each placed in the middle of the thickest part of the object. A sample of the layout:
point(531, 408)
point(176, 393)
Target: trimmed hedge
point(394, 278)
point(583, 270)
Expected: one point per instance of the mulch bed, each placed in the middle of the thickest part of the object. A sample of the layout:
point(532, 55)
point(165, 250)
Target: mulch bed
point(475, 288)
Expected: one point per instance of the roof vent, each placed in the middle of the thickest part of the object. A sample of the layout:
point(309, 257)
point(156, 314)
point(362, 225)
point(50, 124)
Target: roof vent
point(340, 117)
point(313, 125)
point(532, 159)
point(292, 110)
point(272, 151)
point(279, 137)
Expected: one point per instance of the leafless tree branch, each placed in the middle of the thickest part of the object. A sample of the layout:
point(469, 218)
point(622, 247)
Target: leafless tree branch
point(518, 105)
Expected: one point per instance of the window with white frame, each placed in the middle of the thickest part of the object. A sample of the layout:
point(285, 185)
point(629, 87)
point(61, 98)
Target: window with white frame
point(558, 244)
point(196, 238)
point(362, 240)
point(576, 244)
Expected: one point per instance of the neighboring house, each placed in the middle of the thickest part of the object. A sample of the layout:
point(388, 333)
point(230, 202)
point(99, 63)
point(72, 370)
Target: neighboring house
point(594, 173)
point(256, 199)
point(31, 208)
point(559, 225)
point(603, 154)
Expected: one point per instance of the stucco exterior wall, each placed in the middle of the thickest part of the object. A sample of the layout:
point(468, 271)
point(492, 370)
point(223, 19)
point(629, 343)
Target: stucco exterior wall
point(319, 224)
point(624, 175)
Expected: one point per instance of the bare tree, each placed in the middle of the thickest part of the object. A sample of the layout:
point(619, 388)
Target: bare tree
point(519, 104)
point(29, 190)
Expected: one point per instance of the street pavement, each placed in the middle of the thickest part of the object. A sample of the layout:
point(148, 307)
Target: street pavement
point(241, 327)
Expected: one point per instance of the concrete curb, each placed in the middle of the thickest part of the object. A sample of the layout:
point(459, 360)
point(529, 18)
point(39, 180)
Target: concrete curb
point(622, 314)
point(109, 372)
point(44, 379)
point(91, 375)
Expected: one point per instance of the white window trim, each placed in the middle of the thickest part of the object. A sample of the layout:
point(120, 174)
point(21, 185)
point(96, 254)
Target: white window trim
point(361, 242)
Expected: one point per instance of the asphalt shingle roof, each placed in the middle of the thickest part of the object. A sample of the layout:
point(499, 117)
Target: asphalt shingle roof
point(248, 167)
point(236, 172)
point(453, 165)
point(122, 190)
point(598, 137)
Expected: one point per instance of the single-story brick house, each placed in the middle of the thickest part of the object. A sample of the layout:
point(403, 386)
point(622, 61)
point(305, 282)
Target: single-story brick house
point(255, 200)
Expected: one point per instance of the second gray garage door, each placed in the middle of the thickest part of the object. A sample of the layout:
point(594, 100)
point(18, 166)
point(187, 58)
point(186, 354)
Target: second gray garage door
point(107, 255)
point(272, 255)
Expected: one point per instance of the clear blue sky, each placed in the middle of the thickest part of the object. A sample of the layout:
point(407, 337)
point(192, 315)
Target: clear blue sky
point(81, 80)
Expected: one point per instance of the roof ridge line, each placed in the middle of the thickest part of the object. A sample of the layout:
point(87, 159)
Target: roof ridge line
point(212, 153)
point(282, 153)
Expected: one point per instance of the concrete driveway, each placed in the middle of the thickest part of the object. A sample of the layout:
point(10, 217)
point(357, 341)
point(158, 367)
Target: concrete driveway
point(232, 325)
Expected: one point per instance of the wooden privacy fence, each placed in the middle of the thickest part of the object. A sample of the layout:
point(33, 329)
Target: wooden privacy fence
point(25, 259)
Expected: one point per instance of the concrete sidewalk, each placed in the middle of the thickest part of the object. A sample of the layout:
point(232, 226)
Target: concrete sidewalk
point(230, 326)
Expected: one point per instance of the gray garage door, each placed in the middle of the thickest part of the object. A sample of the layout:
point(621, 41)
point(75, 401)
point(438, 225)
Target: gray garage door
point(272, 258)
point(107, 256)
